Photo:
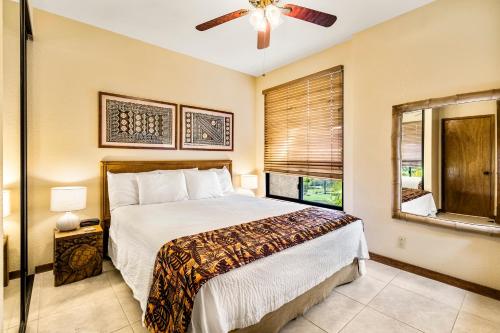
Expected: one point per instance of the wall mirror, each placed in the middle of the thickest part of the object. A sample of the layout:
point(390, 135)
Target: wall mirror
point(445, 162)
point(17, 283)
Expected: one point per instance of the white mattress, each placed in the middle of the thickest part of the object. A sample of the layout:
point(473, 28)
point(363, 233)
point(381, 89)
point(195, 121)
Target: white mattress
point(423, 206)
point(240, 297)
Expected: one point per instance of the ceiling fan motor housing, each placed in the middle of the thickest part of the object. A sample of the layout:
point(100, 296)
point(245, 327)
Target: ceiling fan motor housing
point(262, 3)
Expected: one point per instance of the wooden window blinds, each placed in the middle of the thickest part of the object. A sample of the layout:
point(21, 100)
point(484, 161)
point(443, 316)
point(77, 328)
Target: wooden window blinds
point(411, 145)
point(304, 126)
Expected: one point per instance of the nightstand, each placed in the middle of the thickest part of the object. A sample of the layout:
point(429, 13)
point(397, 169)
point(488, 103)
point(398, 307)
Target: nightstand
point(77, 254)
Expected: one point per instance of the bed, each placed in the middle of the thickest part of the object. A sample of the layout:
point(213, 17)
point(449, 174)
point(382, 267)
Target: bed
point(415, 200)
point(422, 205)
point(261, 296)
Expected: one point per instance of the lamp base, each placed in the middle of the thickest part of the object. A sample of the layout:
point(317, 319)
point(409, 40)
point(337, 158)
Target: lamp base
point(68, 222)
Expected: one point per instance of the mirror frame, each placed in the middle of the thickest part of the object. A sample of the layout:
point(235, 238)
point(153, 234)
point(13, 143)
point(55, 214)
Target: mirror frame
point(397, 117)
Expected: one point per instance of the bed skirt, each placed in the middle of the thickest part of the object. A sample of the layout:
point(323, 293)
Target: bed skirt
point(274, 321)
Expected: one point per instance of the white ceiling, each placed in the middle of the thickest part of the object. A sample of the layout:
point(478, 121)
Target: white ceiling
point(170, 24)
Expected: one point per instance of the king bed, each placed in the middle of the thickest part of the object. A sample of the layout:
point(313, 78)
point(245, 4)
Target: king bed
point(416, 200)
point(256, 295)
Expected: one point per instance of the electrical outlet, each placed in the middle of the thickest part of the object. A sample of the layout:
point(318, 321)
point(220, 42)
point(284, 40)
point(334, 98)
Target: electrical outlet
point(402, 242)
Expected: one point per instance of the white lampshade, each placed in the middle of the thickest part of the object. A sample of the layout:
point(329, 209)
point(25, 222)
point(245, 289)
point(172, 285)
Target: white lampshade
point(249, 182)
point(67, 199)
point(6, 203)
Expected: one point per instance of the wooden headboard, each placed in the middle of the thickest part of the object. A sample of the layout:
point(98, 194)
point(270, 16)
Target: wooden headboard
point(144, 166)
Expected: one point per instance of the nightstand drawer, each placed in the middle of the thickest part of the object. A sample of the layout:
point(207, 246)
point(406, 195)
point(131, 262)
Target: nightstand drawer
point(77, 255)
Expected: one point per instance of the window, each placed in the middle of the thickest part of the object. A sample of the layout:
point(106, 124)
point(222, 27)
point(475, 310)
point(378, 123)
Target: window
point(303, 155)
point(283, 186)
point(412, 143)
point(412, 171)
point(322, 192)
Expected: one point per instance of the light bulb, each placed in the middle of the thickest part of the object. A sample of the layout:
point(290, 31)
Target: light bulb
point(258, 19)
point(273, 15)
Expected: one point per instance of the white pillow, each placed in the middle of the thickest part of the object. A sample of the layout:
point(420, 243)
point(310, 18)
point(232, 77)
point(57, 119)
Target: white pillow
point(225, 181)
point(122, 190)
point(202, 185)
point(162, 187)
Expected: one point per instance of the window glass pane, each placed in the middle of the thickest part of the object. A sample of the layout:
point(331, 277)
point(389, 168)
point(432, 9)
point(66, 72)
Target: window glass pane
point(284, 185)
point(412, 171)
point(324, 191)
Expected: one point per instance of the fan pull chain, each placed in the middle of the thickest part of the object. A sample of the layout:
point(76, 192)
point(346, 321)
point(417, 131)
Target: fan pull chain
point(263, 68)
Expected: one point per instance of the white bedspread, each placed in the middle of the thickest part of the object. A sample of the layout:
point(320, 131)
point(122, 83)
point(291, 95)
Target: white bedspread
point(242, 296)
point(423, 206)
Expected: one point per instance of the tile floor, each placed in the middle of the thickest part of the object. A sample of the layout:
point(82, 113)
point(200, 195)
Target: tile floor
point(384, 300)
point(11, 304)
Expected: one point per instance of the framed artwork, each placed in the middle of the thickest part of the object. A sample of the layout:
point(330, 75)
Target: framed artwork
point(129, 122)
point(206, 129)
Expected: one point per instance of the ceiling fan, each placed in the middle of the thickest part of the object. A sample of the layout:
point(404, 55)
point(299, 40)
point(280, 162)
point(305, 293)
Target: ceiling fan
point(266, 15)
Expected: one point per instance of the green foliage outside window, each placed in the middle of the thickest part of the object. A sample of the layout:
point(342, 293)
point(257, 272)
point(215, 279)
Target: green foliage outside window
point(325, 191)
point(410, 171)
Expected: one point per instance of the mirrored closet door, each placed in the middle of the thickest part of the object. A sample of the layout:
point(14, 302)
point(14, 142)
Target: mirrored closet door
point(11, 167)
point(11, 262)
point(17, 284)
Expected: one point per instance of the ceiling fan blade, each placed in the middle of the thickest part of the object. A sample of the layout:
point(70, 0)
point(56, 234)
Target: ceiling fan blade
point(222, 19)
point(264, 37)
point(309, 15)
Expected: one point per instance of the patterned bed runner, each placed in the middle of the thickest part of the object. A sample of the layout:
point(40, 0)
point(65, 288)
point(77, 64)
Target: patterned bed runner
point(183, 265)
point(408, 194)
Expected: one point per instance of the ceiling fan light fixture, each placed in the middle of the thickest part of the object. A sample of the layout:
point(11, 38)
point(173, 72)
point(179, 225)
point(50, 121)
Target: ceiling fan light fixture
point(258, 19)
point(267, 15)
point(273, 15)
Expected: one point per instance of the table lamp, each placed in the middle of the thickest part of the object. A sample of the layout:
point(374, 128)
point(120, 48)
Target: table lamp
point(68, 199)
point(248, 184)
point(6, 203)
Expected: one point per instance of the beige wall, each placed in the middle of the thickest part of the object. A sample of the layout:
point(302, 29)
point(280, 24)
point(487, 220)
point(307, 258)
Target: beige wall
point(429, 52)
point(431, 153)
point(468, 109)
point(69, 63)
point(10, 127)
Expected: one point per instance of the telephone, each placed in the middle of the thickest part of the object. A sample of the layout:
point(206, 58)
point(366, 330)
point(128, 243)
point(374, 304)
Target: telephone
point(89, 222)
